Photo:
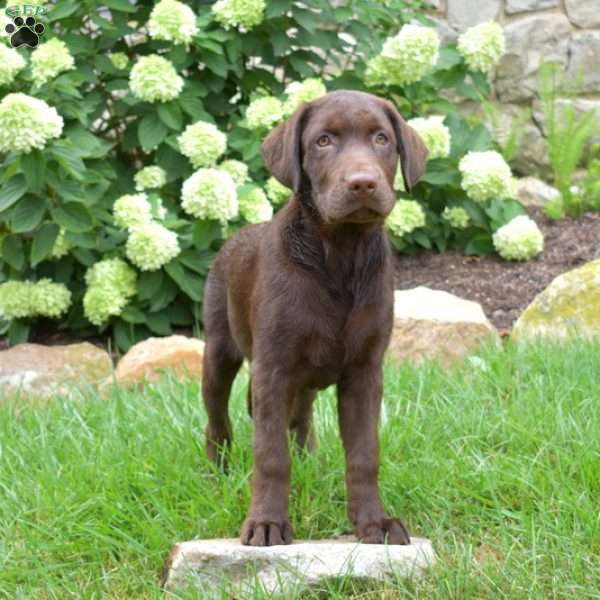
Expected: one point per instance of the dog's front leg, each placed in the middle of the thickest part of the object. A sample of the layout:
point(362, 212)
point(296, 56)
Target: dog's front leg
point(359, 400)
point(268, 523)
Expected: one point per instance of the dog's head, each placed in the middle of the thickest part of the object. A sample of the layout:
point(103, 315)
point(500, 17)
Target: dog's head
point(344, 149)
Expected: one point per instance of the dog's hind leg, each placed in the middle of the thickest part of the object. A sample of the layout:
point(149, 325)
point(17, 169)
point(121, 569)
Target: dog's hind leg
point(222, 360)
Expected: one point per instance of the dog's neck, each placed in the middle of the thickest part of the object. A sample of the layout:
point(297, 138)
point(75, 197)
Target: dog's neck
point(347, 257)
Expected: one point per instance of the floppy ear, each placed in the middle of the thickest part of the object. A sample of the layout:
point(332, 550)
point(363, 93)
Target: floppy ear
point(282, 150)
point(411, 149)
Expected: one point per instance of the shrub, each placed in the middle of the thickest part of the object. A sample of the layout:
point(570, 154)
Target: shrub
point(130, 142)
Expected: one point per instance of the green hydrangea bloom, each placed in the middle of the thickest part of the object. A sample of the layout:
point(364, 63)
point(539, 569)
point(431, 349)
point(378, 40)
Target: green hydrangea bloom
point(149, 178)
point(405, 58)
point(49, 60)
point(11, 62)
point(120, 60)
point(482, 46)
point(521, 239)
point(114, 273)
point(27, 123)
point(435, 135)
point(406, 216)
point(277, 192)
point(132, 210)
point(102, 302)
point(245, 14)
point(255, 207)
point(456, 216)
point(151, 246)
point(298, 92)
point(154, 79)
point(202, 143)
point(172, 21)
point(237, 169)
point(263, 113)
point(210, 194)
point(61, 247)
point(486, 175)
point(26, 299)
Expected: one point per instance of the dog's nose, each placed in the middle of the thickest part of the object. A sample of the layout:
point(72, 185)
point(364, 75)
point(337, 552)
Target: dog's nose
point(362, 183)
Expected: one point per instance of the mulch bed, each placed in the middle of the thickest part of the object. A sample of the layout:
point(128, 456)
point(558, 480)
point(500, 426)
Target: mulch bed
point(505, 289)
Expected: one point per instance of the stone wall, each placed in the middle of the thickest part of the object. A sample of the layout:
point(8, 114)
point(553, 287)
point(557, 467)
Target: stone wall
point(562, 31)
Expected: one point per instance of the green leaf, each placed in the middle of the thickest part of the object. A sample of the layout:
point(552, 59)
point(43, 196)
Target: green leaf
point(12, 191)
point(306, 18)
point(121, 5)
point(190, 283)
point(205, 232)
point(480, 245)
point(69, 158)
point(12, 252)
point(277, 8)
point(88, 145)
point(33, 166)
point(159, 323)
point(123, 335)
point(28, 214)
point(170, 114)
point(62, 10)
point(43, 242)
point(164, 296)
point(18, 332)
point(73, 216)
point(151, 132)
point(131, 314)
point(148, 284)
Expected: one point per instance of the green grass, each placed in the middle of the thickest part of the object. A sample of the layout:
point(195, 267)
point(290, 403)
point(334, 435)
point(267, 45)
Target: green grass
point(500, 467)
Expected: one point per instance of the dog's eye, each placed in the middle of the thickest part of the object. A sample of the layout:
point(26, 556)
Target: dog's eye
point(323, 140)
point(381, 138)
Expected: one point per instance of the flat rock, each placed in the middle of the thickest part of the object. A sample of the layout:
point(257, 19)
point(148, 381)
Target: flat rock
point(205, 564)
point(583, 13)
point(148, 360)
point(535, 192)
point(433, 324)
point(519, 6)
point(569, 306)
point(37, 370)
point(584, 52)
point(463, 14)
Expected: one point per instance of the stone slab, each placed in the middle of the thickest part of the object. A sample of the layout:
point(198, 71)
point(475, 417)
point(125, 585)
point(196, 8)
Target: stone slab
point(210, 566)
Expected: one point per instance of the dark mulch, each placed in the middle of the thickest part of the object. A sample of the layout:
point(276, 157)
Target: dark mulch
point(504, 289)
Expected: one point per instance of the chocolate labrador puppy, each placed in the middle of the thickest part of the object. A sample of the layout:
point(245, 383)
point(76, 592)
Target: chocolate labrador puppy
point(308, 299)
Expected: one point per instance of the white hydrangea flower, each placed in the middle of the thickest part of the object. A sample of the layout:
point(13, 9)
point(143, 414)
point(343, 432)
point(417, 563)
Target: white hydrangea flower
point(132, 210)
point(255, 207)
point(210, 194)
point(114, 273)
point(154, 79)
point(298, 92)
point(435, 135)
point(239, 13)
point(486, 175)
point(151, 246)
point(27, 123)
point(49, 60)
point(263, 113)
point(482, 46)
point(120, 60)
point(202, 143)
point(405, 58)
point(237, 169)
point(149, 178)
point(61, 246)
point(456, 216)
point(11, 62)
point(172, 21)
point(277, 192)
point(102, 302)
point(406, 216)
point(25, 299)
point(521, 239)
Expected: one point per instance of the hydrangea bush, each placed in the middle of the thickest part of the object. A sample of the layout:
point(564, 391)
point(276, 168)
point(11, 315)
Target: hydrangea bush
point(130, 146)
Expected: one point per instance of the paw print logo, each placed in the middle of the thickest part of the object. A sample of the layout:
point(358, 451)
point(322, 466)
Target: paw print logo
point(24, 32)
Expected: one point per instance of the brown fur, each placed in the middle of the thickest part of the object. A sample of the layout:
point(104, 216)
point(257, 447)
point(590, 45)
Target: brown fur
point(308, 299)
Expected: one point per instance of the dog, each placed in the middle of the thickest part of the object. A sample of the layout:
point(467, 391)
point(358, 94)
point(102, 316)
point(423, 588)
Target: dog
point(307, 298)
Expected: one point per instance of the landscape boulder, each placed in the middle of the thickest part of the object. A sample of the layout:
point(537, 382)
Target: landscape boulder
point(569, 306)
point(433, 324)
point(535, 192)
point(209, 566)
point(147, 361)
point(37, 370)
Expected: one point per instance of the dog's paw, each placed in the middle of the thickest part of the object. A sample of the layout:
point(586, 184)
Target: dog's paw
point(24, 32)
point(266, 533)
point(387, 530)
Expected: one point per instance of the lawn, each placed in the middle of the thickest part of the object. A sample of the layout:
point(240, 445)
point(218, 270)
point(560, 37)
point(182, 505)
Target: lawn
point(497, 462)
